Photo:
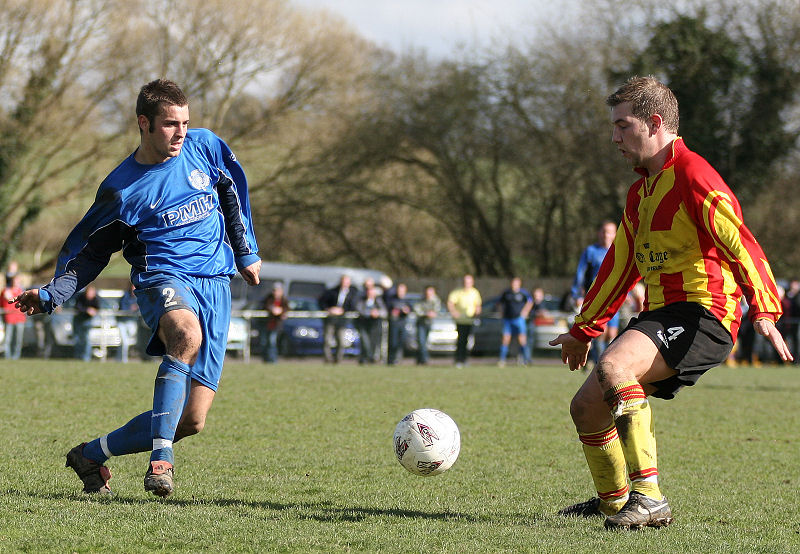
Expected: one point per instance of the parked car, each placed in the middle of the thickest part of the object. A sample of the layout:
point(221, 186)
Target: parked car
point(103, 335)
point(442, 337)
point(550, 322)
point(303, 284)
point(302, 330)
point(299, 281)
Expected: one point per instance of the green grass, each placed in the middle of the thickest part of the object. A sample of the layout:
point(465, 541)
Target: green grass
point(298, 457)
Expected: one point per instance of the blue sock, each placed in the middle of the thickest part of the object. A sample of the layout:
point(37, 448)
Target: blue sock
point(169, 397)
point(503, 352)
point(132, 437)
point(526, 353)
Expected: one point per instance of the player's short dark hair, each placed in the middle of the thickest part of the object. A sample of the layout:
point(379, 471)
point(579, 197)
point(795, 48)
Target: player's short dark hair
point(154, 94)
point(648, 96)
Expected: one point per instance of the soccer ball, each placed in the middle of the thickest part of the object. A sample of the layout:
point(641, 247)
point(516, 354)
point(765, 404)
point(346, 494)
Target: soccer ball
point(427, 442)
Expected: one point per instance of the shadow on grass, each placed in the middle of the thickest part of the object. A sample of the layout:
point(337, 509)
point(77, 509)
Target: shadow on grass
point(324, 511)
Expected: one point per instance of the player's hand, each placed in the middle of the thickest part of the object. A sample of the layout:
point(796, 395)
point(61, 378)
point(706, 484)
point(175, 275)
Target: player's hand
point(28, 302)
point(767, 328)
point(574, 352)
point(250, 273)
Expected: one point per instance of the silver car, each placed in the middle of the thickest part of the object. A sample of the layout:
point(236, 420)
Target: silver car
point(442, 336)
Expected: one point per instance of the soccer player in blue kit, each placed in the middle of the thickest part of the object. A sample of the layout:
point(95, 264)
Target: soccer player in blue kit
point(178, 209)
point(588, 267)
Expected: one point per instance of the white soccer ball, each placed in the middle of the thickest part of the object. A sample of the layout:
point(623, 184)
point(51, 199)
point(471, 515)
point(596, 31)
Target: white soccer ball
point(427, 442)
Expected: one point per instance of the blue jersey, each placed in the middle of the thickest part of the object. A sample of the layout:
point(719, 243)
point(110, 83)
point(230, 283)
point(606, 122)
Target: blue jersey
point(189, 215)
point(588, 267)
point(511, 302)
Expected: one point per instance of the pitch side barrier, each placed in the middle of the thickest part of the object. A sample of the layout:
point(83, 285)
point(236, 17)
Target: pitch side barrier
point(105, 334)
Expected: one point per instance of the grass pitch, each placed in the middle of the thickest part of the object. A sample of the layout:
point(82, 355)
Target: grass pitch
point(298, 457)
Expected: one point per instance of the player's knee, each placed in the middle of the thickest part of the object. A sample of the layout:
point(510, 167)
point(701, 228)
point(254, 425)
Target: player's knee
point(184, 340)
point(584, 411)
point(577, 408)
point(191, 426)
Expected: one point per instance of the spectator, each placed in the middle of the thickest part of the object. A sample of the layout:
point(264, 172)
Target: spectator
point(588, 268)
point(45, 336)
point(398, 307)
point(514, 306)
point(14, 320)
point(11, 271)
point(427, 309)
point(87, 305)
point(277, 307)
point(128, 323)
point(464, 305)
point(537, 311)
point(337, 301)
point(371, 313)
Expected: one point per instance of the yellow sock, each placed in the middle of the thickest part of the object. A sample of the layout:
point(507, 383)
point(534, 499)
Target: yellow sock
point(607, 465)
point(634, 423)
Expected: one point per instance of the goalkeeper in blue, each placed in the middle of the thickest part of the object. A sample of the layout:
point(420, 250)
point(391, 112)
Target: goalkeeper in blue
point(178, 209)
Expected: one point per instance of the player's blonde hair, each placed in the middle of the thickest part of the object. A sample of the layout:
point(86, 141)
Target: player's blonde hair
point(648, 96)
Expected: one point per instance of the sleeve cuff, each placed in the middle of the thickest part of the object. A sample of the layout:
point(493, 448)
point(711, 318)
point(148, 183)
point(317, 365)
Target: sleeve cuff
point(771, 317)
point(578, 334)
point(246, 260)
point(45, 301)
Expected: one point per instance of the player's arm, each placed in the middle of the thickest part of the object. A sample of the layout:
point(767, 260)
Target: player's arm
point(766, 328)
point(28, 302)
point(235, 205)
point(574, 352)
point(250, 274)
point(617, 275)
point(717, 211)
point(85, 253)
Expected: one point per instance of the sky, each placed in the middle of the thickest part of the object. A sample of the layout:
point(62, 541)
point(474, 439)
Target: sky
point(438, 26)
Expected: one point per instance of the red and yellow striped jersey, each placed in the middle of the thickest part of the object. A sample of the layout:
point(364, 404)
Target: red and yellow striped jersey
point(682, 234)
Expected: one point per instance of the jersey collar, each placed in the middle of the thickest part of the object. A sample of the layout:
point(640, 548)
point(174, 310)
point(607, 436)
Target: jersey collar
point(678, 148)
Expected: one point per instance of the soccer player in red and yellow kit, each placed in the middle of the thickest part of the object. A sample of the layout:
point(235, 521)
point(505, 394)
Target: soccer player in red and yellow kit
point(682, 234)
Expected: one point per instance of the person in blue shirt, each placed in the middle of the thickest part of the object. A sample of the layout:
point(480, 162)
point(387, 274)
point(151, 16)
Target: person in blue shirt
point(178, 209)
point(588, 267)
point(514, 306)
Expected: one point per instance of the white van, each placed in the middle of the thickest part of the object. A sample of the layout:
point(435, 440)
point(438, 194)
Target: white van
point(299, 281)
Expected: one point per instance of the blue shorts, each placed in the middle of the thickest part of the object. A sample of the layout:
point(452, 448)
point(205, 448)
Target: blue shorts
point(209, 298)
point(515, 326)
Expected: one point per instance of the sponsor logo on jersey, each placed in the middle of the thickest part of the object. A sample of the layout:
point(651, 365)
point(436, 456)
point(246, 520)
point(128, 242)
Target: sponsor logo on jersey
point(199, 180)
point(199, 208)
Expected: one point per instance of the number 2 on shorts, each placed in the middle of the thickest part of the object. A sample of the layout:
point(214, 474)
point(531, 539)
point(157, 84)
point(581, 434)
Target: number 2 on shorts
point(169, 294)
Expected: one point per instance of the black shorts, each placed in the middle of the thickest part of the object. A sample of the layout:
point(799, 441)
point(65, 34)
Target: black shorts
point(690, 339)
